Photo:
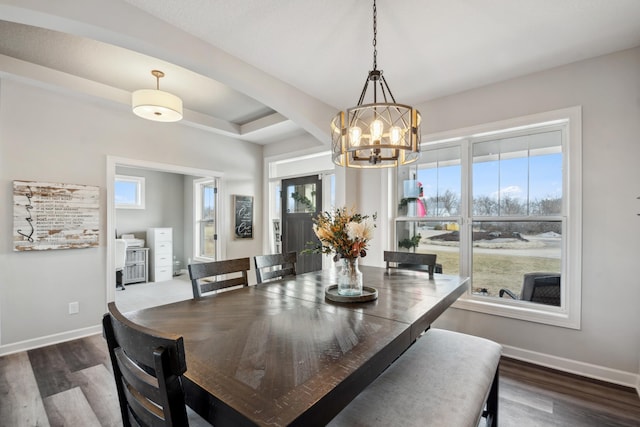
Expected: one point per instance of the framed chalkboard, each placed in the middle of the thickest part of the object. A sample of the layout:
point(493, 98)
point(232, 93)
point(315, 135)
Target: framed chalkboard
point(243, 217)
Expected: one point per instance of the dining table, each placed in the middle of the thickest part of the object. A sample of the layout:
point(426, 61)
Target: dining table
point(281, 353)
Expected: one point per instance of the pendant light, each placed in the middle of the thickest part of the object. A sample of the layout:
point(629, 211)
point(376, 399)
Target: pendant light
point(377, 134)
point(156, 105)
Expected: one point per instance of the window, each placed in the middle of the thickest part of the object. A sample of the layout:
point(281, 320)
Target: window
point(501, 203)
point(129, 192)
point(205, 236)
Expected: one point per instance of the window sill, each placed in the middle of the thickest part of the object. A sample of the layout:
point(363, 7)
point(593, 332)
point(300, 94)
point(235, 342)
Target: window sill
point(539, 313)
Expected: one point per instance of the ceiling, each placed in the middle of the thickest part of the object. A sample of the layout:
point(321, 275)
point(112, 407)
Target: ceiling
point(260, 70)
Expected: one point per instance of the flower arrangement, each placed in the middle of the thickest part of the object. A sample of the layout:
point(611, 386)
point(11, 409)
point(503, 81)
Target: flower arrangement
point(343, 232)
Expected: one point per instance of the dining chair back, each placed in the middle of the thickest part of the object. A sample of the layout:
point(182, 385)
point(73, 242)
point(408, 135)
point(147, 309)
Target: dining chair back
point(207, 276)
point(147, 366)
point(411, 261)
point(276, 266)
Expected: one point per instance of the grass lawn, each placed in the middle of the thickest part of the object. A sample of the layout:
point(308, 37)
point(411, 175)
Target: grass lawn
point(496, 271)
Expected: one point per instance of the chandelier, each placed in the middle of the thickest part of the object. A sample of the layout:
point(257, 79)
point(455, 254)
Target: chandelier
point(156, 105)
point(379, 134)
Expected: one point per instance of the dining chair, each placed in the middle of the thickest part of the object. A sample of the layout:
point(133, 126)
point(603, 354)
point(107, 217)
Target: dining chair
point(206, 276)
point(147, 367)
point(276, 266)
point(411, 261)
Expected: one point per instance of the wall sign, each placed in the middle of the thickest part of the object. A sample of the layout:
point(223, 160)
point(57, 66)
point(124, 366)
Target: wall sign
point(243, 217)
point(55, 216)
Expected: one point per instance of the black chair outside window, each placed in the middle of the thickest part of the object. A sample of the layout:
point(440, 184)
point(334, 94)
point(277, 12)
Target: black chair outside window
point(206, 277)
point(276, 266)
point(412, 261)
point(147, 367)
point(539, 287)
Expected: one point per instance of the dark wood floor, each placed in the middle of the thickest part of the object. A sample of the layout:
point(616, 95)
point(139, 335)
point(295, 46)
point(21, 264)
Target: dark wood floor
point(71, 384)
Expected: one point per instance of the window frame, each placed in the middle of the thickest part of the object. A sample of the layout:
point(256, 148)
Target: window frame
point(139, 182)
point(198, 185)
point(569, 313)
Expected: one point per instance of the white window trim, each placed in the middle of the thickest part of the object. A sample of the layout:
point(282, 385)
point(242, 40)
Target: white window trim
point(569, 315)
point(197, 208)
point(139, 181)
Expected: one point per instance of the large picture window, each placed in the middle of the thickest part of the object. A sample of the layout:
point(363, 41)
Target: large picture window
point(501, 204)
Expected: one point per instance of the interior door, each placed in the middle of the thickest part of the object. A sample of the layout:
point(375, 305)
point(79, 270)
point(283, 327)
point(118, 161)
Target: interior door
point(301, 202)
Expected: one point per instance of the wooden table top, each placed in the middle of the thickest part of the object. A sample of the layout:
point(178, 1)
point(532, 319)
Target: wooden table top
point(280, 354)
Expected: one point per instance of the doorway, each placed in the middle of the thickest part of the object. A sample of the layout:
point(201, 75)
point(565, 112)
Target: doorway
point(191, 220)
point(301, 202)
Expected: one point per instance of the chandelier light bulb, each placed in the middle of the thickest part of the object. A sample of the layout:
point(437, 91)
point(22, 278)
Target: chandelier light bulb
point(395, 135)
point(377, 129)
point(355, 133)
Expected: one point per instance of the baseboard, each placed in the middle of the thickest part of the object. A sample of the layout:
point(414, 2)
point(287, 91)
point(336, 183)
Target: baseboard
point(49, 340)
point(614, 376)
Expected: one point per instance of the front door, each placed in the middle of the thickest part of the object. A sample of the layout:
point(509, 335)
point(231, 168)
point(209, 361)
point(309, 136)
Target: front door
point(301, 202)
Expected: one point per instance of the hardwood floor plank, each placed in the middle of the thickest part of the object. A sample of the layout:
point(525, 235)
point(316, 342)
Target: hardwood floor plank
point(70, 408)
point(98, 385)
point(20, 401)
point(78, 355)
point(585, 416)
point(577, 400)
point(50, 370)
point(513, 392)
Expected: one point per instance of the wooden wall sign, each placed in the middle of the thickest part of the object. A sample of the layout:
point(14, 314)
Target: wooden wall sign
point(243, 217)
point(55, 216)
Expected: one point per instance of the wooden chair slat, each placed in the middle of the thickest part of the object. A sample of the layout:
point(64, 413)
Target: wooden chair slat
point(275, 266)
point(212, 270)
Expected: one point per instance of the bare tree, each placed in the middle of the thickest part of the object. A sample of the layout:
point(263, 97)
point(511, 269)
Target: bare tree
point(450, 202)
point(485, 205)
point(547, 206)
point(512, 206)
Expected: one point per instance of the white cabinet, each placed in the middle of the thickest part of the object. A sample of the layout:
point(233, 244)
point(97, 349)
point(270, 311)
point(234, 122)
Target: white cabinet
point(160, 242)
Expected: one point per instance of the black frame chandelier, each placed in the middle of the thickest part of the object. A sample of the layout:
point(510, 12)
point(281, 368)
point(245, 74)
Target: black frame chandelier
point(379, 134)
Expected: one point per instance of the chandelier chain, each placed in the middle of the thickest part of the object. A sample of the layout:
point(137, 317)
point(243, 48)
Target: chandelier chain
point(375, 36)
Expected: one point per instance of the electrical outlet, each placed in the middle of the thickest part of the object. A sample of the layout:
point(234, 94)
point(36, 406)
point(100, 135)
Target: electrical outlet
point(74, 307)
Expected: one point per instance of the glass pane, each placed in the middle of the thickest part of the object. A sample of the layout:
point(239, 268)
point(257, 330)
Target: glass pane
point(432, 237)
point(129, 192)
point(301, 198)
point(518, 176)
point(434, 188)
point(207, 239)
point(546, 184)
point(208, 202)
point(507, 254)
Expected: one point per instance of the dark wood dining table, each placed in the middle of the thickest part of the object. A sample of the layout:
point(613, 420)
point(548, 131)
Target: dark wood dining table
point(279, 353)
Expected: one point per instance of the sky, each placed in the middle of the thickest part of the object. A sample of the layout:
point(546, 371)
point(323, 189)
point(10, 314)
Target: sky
point(537, 177)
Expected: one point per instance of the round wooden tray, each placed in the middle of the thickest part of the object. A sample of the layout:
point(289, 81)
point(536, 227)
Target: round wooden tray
point(368, 294)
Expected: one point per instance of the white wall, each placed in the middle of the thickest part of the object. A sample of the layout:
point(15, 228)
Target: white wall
point(164, 207)
point(608, 88)
point(60, 137)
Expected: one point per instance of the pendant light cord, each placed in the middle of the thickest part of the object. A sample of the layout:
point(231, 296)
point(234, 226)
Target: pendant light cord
point(375, 36)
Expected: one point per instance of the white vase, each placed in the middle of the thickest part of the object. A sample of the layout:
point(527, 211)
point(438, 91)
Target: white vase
point(349, 277)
